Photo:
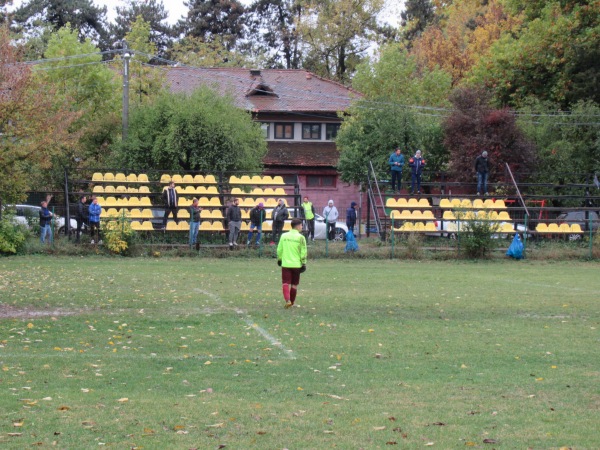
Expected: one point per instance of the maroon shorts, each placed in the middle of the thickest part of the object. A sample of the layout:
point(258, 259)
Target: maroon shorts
point(290, 276)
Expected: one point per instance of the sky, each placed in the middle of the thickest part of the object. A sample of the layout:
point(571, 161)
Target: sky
point(177, 9)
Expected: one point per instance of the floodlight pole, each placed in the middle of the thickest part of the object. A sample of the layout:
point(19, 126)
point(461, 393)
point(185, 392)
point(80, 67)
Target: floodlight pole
point(126, 57)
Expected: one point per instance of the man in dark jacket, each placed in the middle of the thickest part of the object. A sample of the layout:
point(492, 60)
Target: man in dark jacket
point(82, 216)
point(280, 215)
point(481, 167)
point(416, 164)
point(351, 217)
point(234, 218)
point(169, 197)
point(257, 217)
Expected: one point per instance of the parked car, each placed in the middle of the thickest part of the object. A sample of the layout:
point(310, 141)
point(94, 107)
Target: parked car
point(29, 216)
point(580, 217)
point(321, 229)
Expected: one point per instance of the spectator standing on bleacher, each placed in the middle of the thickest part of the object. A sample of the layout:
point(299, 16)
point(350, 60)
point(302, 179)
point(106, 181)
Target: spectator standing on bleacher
point(280, 215)
point(351, 217)
point(482, 169)
point(234, 218)
point(257, 217)
point(331, 215)
point(94, 212)
point(45, 223)
point(82, 216)
point(396, 163)
point(194, 223)
point(308, 212)
point(416, 164)
point(169, 197)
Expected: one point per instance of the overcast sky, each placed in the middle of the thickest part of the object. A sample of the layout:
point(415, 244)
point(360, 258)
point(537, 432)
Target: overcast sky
point(177, 9)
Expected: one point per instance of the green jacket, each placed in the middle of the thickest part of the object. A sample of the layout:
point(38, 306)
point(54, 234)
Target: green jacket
point(291, 250)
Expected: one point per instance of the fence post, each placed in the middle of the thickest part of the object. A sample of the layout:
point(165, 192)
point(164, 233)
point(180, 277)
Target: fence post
point(590, 221)
point(525, 235)
point(393, 238)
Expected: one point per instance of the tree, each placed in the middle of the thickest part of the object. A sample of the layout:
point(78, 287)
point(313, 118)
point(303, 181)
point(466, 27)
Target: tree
point(82, 15)
point(391, 115)
point(209, 19)
point(34, 124)
point(474, 126)
point(417, 15)
point(194, 51)
point(338, 34)
point(203, 131)
point(554, 57)
point(272, 31)
point(152, 12)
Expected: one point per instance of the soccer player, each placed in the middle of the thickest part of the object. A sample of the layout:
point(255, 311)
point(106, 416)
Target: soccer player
point(291, 257)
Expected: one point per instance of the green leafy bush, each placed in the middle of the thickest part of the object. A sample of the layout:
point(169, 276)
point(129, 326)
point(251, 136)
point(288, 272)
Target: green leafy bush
point(12, 236)
point(118, 235)
point(476, 236)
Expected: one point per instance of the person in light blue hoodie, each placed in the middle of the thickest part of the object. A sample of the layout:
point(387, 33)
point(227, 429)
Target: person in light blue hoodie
point(94, 217)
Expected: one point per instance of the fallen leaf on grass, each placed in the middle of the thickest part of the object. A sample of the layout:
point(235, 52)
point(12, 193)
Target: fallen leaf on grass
point(490, 441)
point(88, 423)
point(123, 400)
point(378, 428)
point(391, 443)
point(63, 408)
point(439, 424)
point(14, 434)
point(261, 432)
point(470, 444)
point(216, 425)
point(17, 424)
point(178, 427)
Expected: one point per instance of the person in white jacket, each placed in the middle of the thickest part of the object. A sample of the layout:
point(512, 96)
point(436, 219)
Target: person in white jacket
point(331, 214)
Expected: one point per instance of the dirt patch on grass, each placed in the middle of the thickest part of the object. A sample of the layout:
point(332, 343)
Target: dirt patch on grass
point(10, 312)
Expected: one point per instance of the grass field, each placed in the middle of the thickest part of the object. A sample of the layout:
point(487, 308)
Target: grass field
point(200, 353)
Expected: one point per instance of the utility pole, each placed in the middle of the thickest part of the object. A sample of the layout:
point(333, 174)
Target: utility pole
point(126, 57)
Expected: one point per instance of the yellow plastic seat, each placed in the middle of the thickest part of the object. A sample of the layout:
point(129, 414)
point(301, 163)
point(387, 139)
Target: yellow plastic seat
point(430, 226)
point(267, 179)
point(488, 203)
point(120, 177)
point(390, 203)
point(257, 191)
point(112, 212)
point(215, 201)
point(184, 201)
point(478, 203)
point(172, 226)
point(132, 178)
point(134, 201)
point(98, 189)
point(267, 226)
point(428, 215)
point(469, 215)
point(147, 226)
point(424, 203)
point(413, 203)
point(212, 190)
point(144, 190)
point(110, 201)
point(280, 191)
point(466, 203)
point(507, 228)
point(405, 215)
point(217, 226)
point(132, 190)
point(189, 190)
point(407, 226)
point(270, 191)
point(187, 178)
point(287, 226)
point(245, 226)
point(165, 178)
point(147, 213)
point(564, 228)
point(198, 179)
point(201, 190)
point(205, 225)
point(417, 214)
point(177, 179)
point(218, 214)
point(205, 214)
point(553, 228)
point(576, 228)
point(449, 215)
point(97, 176)
point(278, 180)
point(493, 215)
point(121, 189)
point(109, 176)
point(499, 204)
point(143, 178)
point(395, 214)
point(203, 201)
point(136, 213)
point(109, 189)
point(455, 202)
point(183, 214)
point(445, 203)
point(136, 225)
point(402, 203)
point(210, 179)
point(183, 225)
point(245, 179)
point(233, 179)
point(271, 202)
point(503, 215)
point(145, 201)
point(257, 179)
point(237, 191)
point(541, 228)
point(101, 200)
point(419, 226)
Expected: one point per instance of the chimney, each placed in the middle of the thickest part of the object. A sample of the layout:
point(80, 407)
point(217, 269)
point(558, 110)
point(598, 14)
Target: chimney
point(255, 72)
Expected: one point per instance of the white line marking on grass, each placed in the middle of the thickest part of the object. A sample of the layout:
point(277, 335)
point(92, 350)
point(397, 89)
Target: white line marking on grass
point(289, 354)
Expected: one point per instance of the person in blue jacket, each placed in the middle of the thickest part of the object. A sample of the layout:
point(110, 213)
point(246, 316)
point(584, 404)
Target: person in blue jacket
point(94, 217)
point(351, 217)
point(396, 163)
point(416, 164)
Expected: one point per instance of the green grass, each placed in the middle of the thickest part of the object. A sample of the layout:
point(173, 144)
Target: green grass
point(379, 352)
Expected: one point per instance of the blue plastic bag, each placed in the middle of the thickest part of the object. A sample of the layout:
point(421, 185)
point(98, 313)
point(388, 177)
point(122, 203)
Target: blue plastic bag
point(515, 250)
point(351, 244)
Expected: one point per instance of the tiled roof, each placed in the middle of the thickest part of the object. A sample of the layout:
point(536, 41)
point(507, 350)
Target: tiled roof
point(313, 154)
point(266, 90)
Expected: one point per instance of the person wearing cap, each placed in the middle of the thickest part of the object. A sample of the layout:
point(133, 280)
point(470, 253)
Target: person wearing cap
point(291, 257)
point(331, 215)
point(416, 164)
point(482, 169)
point(396, 163)
point(234, 219)
point(194, 223)
point(351, 217)
point(308, 212)
point(257, 217)
point(280, 215)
